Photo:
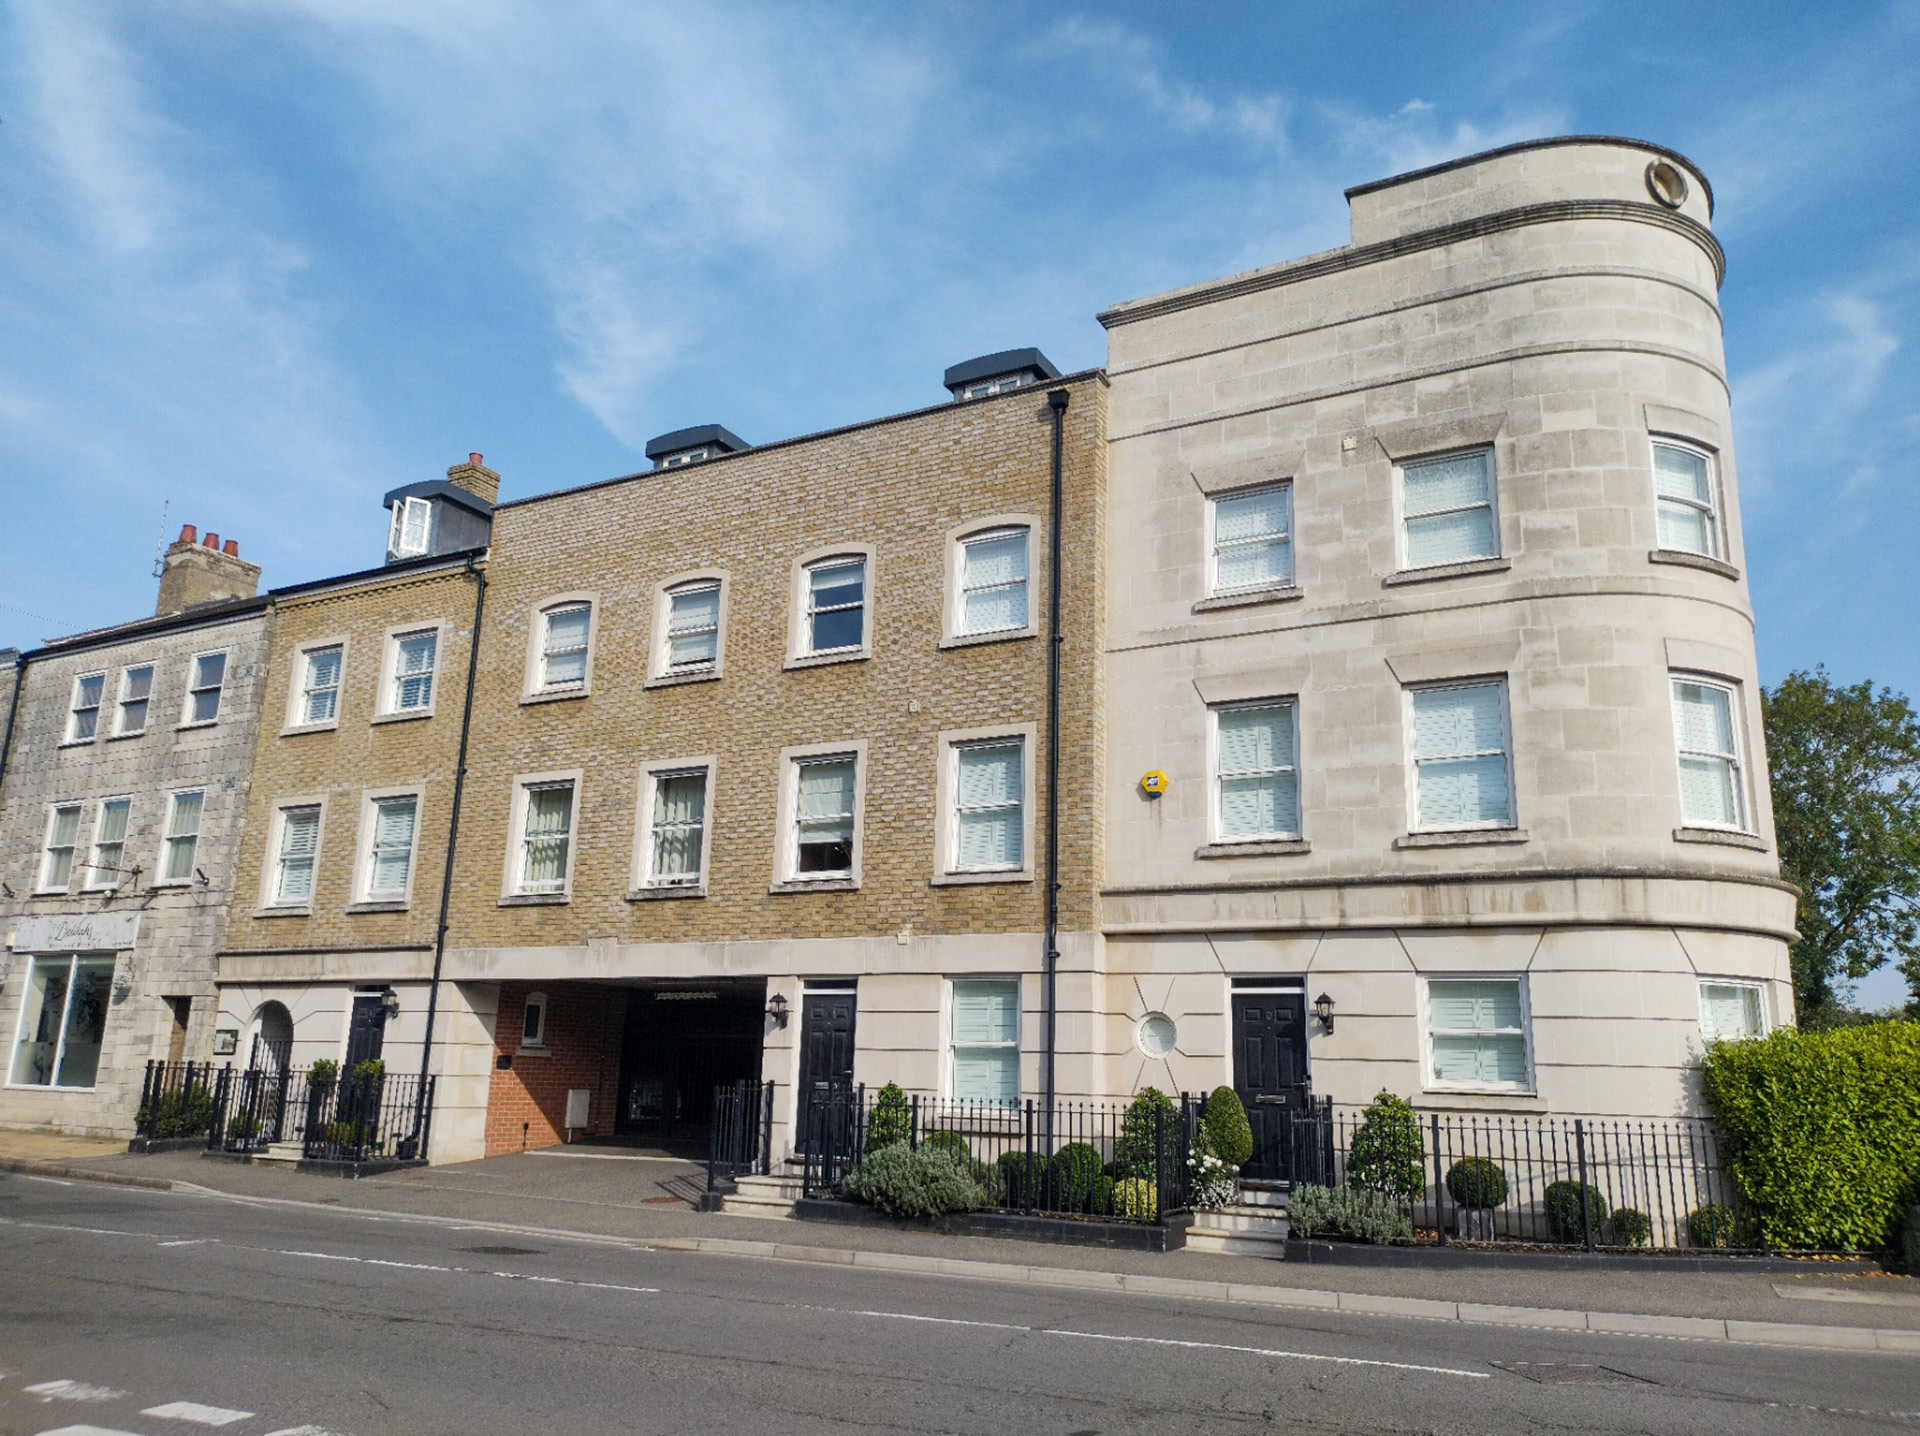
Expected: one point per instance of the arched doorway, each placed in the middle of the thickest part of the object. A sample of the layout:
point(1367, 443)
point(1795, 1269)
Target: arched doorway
point(272, 1038)
point(260, 1117)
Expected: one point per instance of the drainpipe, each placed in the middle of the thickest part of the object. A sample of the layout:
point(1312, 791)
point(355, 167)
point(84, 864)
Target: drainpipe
point(453, 838)
point(1057, 402)
point(13, 708)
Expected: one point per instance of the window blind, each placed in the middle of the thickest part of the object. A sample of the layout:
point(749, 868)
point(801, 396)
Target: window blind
point(413, 664)
point(693, 626)
point(988, 805)
point(299, 840)
point(1259, 784)
point(392, 845)
point(1449, 509)
point(1477, 1032)
point(994, 583)
point(1252, 539)
point(1684, 486)
point(1729, 1011)
point(1709, 763)
point(1459, 747)
point(986, 1042)
point(679, 820)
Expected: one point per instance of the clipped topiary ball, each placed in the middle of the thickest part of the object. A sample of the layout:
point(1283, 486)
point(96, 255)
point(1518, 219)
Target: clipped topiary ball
point(1223, 1123)
point(1477, 1183)
point(1563, 1201)
point(1071, 1176)
point(1630, 1227)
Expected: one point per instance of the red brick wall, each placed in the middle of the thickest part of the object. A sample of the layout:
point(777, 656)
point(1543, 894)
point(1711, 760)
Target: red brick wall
point(584, 1026)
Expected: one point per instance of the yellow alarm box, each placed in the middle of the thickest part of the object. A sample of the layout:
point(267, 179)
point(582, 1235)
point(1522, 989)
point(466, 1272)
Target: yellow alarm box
point(1154, 782)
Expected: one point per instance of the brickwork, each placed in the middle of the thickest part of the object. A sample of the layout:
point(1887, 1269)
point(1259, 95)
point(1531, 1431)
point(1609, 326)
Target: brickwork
point(527, 1104)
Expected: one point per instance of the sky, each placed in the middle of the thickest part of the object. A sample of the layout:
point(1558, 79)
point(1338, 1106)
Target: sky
point(264, 261)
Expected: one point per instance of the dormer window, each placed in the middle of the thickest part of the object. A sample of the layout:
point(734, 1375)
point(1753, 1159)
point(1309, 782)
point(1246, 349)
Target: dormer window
point(412, 521)
point(693, 446)
point(1000, 373)
point(987, 388)
point(686, 456)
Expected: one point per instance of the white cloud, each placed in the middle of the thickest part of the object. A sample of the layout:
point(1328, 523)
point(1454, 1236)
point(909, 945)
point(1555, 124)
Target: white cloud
point(1136, 61)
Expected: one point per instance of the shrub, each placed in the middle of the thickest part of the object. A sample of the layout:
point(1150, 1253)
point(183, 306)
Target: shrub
point(1713, 1225)
point(339, 1134)
point(1136, 1200)
point(1021, 1177)
point(1386, 1153)
point(1210, 1180)
point(1477, 1183)
point(1100, 1199)
point(242, 1126)
point(1071, 1176)
point(1152, 1110)
point(914, 1183)
point(891, 1119)
point(1821, 1130)
point(324, 1072)
point(1563, 1203)
point(1629, 1227)
point(176, 1114)
point(1353, 1212)
point(1224, 1127)
point(950, 1142)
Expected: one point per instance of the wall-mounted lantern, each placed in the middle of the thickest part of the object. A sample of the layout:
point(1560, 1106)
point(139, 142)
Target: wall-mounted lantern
point(389, 1004)
point(1323, 1012)
point(777, 1009)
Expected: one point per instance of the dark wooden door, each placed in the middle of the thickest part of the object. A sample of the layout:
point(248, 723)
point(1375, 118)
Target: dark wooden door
point(366, 1030)
point(1270, 1074)
point(826, 1054)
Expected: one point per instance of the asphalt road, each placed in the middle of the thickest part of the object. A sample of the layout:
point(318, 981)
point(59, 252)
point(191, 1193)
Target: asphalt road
point(130, 1311)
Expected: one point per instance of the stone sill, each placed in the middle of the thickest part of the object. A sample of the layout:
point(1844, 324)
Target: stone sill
point(1464, 838)
point(77, 743)
point(1015, 875)
point(1722, 837)
point(535, 899)
point(675, 680)
point(566, 695)
point(203, 723)
point(120, 737)
point(384, 905)
point(1447, 570)
point(971, 640)
point(1280, 593)
point(1266, 848)
point(294, 730)
point(284, 911)
point(667, 890)
point(1683, 559)
point(821, 660)
point(412, 715)
point(824, 885)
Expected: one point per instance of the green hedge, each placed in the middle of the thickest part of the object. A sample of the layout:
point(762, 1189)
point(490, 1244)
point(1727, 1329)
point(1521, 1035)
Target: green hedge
point(1821, 1130)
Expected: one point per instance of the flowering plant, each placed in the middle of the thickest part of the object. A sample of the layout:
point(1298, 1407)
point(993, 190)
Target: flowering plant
point(1211, 1180)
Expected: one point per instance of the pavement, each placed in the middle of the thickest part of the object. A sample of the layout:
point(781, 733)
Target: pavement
point(645, 1197)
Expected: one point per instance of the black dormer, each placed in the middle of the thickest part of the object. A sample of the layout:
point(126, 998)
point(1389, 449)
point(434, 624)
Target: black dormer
point(992, 374)
point(435, 517)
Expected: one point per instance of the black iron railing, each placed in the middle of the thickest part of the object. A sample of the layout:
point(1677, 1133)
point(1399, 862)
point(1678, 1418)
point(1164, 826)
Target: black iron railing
point(1587, 1182)
point(269, 1106)
point(367, 1117)
point(740, 1139)
point(372, 1116)
point(1086, 1159)
point(183, 1100)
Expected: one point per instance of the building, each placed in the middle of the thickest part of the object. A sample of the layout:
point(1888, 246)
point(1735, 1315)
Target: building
point(123, 780)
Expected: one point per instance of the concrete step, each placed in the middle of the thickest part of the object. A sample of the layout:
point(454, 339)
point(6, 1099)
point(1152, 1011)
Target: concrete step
point(1262, 1194)
point(1240, 1229)
point(763, 1196)
point(282, 1154)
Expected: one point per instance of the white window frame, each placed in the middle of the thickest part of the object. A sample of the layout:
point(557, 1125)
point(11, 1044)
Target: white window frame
point(953, 1047)
point(297, 692)
point(120, 728)
point(535, 1045)
point(1487, 680)
point(1716, 526)
point(187, 720)
point(1215, 826)
point(642, 878)
point(537, 689)
point(270, 899)
point(44, 868)
point(999, 384)
point(75, 708)
point(946, 869)
point(787, 874)
point(953, 609)
point(800, 654)
point(396, 532)
point(168, 837)
point(1427, 1081)
point(94, 878)
point(513, 888)
point(1736, 725)
point(1744, 984)
point(387, 708)
point(1400, 515)
point(1214, 587)
point(370, 801)
point(659, 671)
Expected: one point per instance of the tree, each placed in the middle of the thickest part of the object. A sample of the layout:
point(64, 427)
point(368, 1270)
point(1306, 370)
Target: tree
point(1846, 810)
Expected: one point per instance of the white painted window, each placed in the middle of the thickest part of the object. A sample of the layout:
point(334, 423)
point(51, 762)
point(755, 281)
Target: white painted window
point(1477, 1033)
point(836, 597)
point(546, 837)
point(993, 581)
point(294, 858)
point(1730, 1011)
point(109, 843)
point(136, 693)
point(415, 656)
point(83, 721)
point(1683, 485)
point(677, 828)
point(985, 1041)
point(1256, 771)
point(1253, 539)
point(182, 836)
point(989, 794)
point(1447, 505)
point(63, 1021)
point(412, 519)
point(533, 1021)
point(823, 816)
point(563, 646)
point(1712, 792)
point(1461, 774)
point(692, 638)
point(684, 457)
point(320, 684)
point(56, 861)
point(390, 847)
point(205, 677)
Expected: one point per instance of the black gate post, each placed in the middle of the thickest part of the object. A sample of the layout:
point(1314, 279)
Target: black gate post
point(1026, 1166)
point(1586, 1204)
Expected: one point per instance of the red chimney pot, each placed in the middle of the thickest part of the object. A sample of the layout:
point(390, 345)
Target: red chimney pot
point(189, 534)
point(232, 550)
point(212, 540)
point(473, 458)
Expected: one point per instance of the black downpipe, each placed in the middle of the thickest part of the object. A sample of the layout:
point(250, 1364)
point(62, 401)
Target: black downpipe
point(453, 840)
point(1057, 402)
point(13, 708)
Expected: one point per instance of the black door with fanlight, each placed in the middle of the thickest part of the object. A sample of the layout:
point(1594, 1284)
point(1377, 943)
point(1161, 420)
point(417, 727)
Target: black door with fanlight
point(826, 1059)
point(366, 1029)
point(1270, 1073)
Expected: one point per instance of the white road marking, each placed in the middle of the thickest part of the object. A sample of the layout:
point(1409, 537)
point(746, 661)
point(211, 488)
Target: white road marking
point(72, 1391)
point(193, 1242)
point(563, 1281)
point(458, 1270)
point(86, 1431)
point(50, 1181)
point(359, 1261)
point(601, 1156)
point(303, 1431)
point(200, 1415)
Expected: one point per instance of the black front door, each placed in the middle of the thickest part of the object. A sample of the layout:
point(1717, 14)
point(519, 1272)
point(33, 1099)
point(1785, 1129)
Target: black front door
point(826, 1054)
point(366, 1030)
point(1270, 1074)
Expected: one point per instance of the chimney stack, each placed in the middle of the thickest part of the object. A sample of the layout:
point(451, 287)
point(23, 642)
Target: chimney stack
point(476, 478)
point(197, 570)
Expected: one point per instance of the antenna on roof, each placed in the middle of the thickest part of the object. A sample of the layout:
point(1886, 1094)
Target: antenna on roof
point(160, 547)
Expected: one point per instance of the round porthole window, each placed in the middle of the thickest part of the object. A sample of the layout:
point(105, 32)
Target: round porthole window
point(1156, 1034)
point(1667, 184)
